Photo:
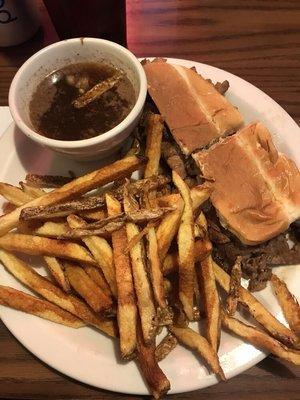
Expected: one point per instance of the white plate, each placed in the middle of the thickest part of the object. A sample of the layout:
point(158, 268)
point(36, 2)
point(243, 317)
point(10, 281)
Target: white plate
point(88, 356)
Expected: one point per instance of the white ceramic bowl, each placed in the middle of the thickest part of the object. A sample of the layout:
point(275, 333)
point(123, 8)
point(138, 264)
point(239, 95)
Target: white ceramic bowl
point(57, 56)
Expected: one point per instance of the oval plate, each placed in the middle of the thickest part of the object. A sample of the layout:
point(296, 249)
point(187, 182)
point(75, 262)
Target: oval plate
point(92, 358)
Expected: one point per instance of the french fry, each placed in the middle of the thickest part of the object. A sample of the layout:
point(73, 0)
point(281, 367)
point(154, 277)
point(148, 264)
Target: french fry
point(168, 227)
point(140, 236)
point(88, 290)
point(186, 245)
point(31, 191)
point(104, 232)
point(234, 287)
point(201, 226)
point(165, 347)
point(288, 303)
point(127, 309)
point(78, 186)
point(102, 252)
point(14, 194)
point(195, 341)
point(141, 284)
point(21, 301)
point(97, 276)
point(260, 339)
point(257, 310)
point(202, 249)
point(154, 131)
point(90, 203)
point(96, 215)
point(57, 271)
point(47, 181)
point(36, 245)
point(52, 229)
point(26, 275)
point(156, 380)
point(212, 303)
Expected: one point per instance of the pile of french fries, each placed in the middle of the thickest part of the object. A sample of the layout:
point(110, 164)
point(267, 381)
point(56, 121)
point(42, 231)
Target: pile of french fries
point(129, 260)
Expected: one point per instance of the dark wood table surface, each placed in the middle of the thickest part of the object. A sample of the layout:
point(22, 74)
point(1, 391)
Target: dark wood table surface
point(258, 40)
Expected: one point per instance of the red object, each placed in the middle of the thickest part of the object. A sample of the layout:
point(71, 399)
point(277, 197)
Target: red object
point(104, 19)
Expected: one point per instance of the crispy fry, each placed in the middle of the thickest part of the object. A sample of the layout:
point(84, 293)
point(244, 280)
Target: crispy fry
point(52, 229)
point(165, 347)
point(141, 284)
point(97, 276)
point(157, 381)
point(260, 339)
point(47, 181)
point(52, 293)
point(154, 131)
point(102, 252)
point(140, 236)
point(57, 271)
point(185, 240)
point(91, 203)
point(14, 194)
point(36, 245)
point(31, 191)
point(212, 303)
point(127, 310)
point(202, 249)
point(21, 301)
point(80, 233)
point(234, 287)
point(96, 91)
point(88, 290)
point(257, 310)
point(196, 342)
point(170, 223)
point(93, 215)
point(288, 303)
point(78, 186)
point(201, 226)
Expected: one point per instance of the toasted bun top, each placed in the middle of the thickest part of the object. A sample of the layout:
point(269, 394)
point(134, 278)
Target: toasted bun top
point(256, 189)
point(194, 110)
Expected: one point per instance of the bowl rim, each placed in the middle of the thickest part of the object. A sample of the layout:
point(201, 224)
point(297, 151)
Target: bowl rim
point(83, 143)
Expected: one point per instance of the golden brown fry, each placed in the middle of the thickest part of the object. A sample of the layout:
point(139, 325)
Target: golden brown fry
point(196, 342)
point(31, 191)
point(154, 131)
point(155, 270)
point(156, 380)
point(25, 274)
point(260, 339)
point(127, 310)
point(21, 301)
point(170, 223)
point(93, 215)
point(104, 232)
point(202, 249)
point(186, 245)
point(57, 271)
point(141, 283)
point(102, 252)
point(78, 186)
point(165, 347)
point(212, 303)
point(96, 91)
point(257, 310)
point(52, 229)
point(36, 245)
point(88, 290)
point(97, 276)
point(140, 236)
point(234, 287)
point(288, 303)
point(14, 194)
point(201, 226)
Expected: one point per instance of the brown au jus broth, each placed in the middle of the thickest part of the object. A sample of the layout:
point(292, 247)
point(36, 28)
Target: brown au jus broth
point(53, 115)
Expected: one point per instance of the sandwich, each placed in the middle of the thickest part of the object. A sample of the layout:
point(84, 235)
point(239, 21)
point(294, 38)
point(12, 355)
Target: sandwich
point(256, 188)
point(195, 112)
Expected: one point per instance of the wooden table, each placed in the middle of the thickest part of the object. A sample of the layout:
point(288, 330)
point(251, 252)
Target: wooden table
point(259, 40)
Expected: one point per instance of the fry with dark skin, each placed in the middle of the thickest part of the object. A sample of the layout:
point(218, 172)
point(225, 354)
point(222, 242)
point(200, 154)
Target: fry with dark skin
point(57, 271)
point(234, 288)
point(260, 339)
point(41, 308)
point(165, 347)
point(127, 309)
point(154, 131)
point(288, 303)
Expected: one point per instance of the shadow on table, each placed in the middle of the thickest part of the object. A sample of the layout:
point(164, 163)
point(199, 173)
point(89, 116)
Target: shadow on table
point(276, 367)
